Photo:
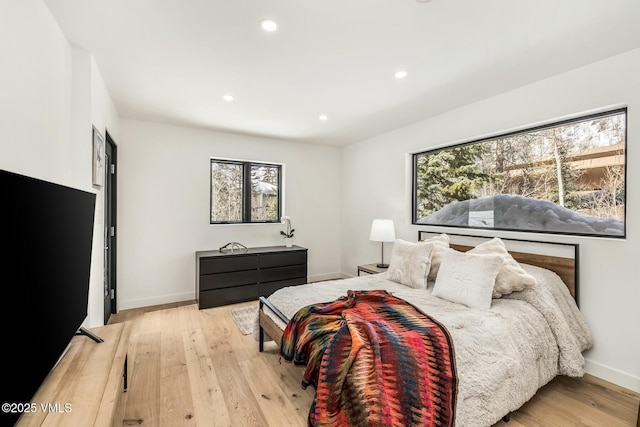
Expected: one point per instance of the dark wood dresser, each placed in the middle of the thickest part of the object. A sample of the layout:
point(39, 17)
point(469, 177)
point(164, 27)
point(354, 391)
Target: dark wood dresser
point(227, 278)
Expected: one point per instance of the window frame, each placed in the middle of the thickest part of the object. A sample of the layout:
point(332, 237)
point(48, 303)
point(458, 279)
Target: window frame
point(553, 124)
point(246, 190)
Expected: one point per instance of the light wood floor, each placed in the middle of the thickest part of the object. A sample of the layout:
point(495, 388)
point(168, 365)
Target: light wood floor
point(191, 367)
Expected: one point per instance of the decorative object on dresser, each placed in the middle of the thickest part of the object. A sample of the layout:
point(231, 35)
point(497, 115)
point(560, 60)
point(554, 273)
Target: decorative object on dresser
point(382, 231)
point(288, 233)
point(227, 278)
point(233, 247)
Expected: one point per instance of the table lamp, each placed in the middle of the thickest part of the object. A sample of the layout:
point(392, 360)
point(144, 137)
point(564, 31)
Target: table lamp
point(382, 231)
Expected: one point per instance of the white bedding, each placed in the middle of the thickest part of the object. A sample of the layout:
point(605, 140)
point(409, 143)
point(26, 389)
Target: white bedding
point(503, 355)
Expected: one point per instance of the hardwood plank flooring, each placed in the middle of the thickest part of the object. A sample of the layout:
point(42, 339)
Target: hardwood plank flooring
point(191, 367)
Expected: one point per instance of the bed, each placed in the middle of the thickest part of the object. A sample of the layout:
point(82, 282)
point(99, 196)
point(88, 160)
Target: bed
point(504, 352)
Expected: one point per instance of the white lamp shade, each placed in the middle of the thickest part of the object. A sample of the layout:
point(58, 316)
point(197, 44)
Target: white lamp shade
point(382, 231)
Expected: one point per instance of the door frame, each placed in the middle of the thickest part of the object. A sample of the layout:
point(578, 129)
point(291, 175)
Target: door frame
point(110, 225)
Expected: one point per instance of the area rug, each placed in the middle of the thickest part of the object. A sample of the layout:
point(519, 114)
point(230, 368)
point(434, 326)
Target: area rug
point(245, 317)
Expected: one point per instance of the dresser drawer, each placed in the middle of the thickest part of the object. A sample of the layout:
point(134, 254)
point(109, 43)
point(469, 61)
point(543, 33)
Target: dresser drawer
point(283, 273)
point(226, 264)
point(217, 297)
point(226, 280)
point(283, 259)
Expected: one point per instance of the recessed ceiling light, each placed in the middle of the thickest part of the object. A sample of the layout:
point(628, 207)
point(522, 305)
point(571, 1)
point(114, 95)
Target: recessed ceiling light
point(322, 117)
point(228, 98)
point(400, 74)
point(268, 25)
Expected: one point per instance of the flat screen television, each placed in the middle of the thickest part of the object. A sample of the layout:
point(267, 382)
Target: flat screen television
point(46, 241)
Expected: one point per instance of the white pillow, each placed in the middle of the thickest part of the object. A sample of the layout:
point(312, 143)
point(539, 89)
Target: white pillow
point(440, 246)
point(511, 277)
point(467, 278)
point(409, 264)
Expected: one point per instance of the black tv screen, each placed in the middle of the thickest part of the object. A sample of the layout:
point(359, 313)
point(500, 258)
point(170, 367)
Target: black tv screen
point(46, 246)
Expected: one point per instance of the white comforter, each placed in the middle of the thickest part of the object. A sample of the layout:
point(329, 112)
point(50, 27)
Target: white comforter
point(503, 355)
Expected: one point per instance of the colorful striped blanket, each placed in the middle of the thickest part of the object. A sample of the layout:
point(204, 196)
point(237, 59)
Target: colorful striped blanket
point(375, 360)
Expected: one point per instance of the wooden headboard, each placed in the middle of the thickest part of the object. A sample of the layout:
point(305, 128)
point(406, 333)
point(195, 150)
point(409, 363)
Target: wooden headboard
point(561, 258)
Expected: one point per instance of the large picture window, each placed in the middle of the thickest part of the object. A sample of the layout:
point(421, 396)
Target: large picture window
point(567, 177)
point(245, 192)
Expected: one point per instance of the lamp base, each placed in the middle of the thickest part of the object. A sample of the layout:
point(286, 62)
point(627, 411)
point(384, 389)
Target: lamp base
point(382, 265)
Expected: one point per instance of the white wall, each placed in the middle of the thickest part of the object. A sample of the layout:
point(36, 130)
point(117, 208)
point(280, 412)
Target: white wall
point(163, 206)
point(35, 82)
point(609, 269)
point(51, 93)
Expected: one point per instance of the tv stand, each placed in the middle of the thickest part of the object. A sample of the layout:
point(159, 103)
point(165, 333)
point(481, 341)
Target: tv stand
point(88, 333)
point(88, 385)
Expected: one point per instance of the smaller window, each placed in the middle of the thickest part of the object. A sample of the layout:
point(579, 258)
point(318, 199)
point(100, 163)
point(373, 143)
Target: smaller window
point(245, 192)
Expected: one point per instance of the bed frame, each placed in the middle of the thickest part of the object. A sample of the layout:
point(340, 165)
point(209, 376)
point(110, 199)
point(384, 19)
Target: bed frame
point(561, 258)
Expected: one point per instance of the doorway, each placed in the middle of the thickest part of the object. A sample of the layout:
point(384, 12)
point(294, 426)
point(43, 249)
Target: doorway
point(110, 234)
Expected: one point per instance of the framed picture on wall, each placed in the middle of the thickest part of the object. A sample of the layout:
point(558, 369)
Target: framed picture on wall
point(98, 158)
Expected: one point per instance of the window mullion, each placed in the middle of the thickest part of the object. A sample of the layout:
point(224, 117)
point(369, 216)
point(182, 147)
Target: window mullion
point(246, 194)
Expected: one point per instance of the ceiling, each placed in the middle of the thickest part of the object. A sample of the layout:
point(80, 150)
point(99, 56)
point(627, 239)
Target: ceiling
point(172, 61)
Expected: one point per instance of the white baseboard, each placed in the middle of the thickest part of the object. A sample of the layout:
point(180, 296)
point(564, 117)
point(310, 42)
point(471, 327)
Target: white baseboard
point(147, 302)
point(623, 379)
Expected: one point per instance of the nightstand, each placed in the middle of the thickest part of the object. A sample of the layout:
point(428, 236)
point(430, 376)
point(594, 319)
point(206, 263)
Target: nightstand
point(371, 269)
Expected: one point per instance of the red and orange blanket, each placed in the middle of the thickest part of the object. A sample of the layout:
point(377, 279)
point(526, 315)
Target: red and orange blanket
point(375, 360)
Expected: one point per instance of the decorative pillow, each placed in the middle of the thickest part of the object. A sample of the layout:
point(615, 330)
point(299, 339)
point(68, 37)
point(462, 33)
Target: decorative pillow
point(467, 278)
point(409, 264)
point(512, 276)
point(440, 246)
